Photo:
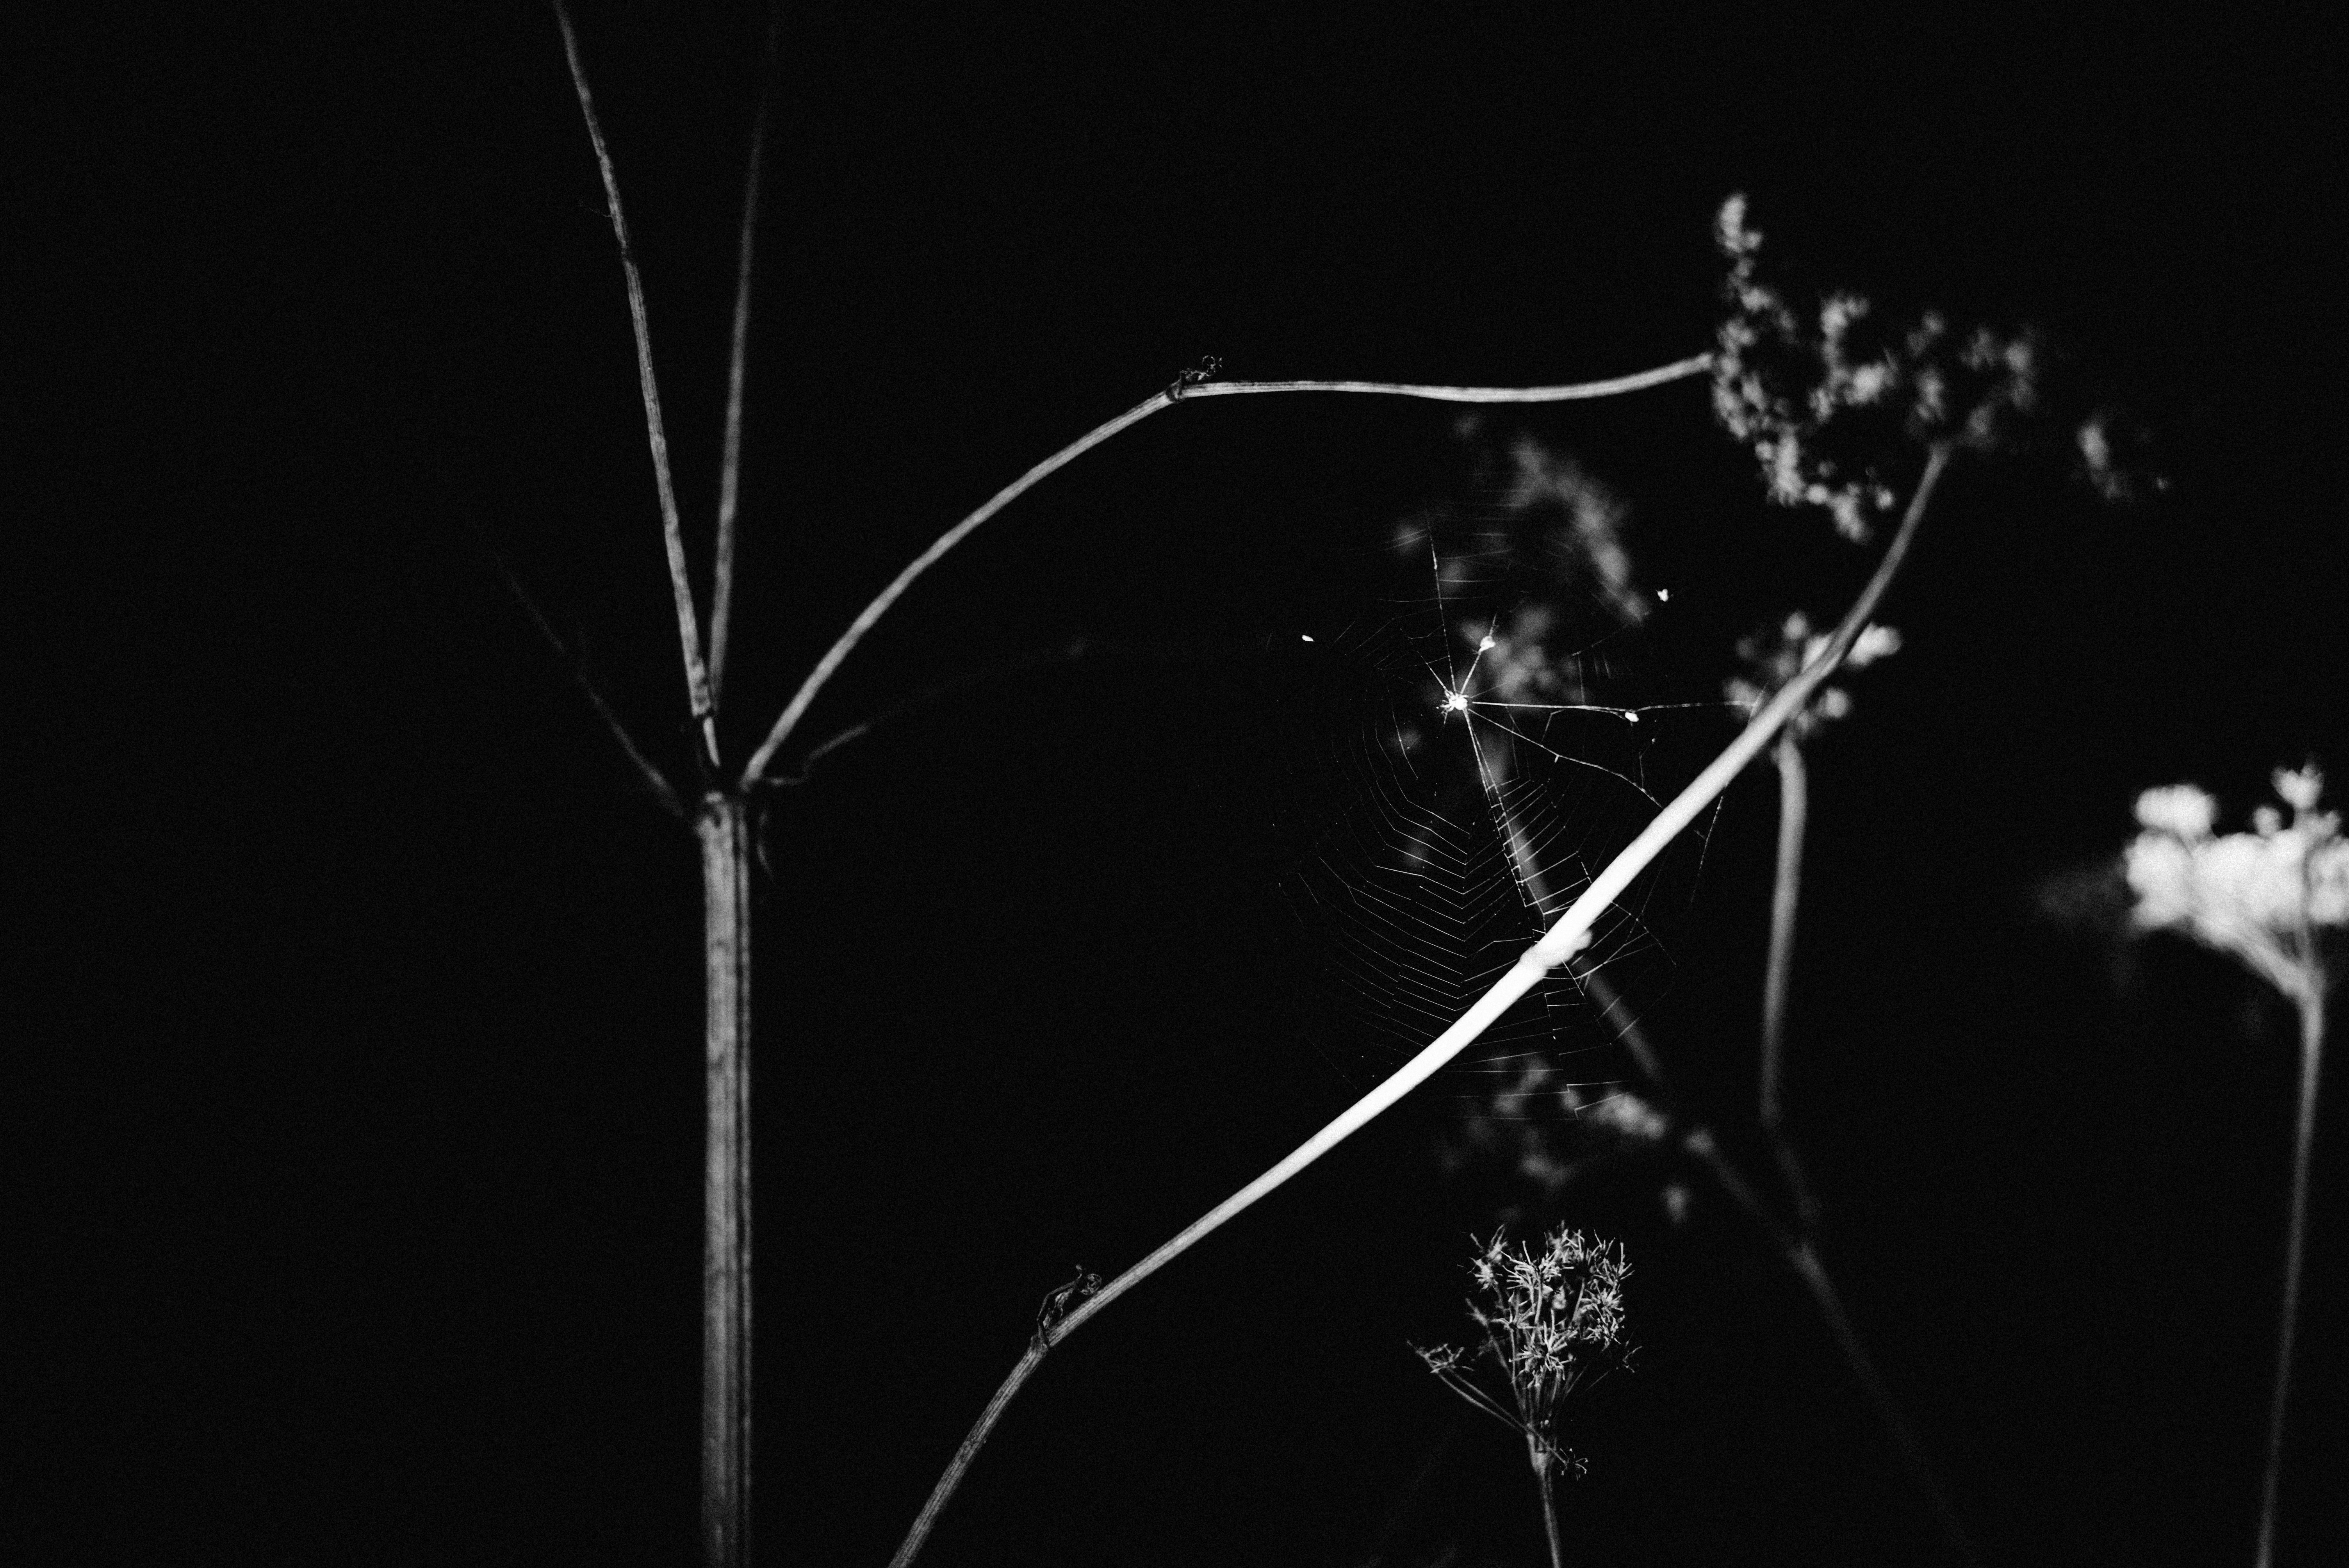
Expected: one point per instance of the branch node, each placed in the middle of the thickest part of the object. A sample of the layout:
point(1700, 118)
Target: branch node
point(1206, 370)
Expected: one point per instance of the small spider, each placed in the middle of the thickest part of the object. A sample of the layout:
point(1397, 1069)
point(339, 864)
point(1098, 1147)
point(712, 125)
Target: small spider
point(1206, 370)
point(1058, 1304)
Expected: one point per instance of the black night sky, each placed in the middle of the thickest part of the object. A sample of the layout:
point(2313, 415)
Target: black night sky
point(353, 979)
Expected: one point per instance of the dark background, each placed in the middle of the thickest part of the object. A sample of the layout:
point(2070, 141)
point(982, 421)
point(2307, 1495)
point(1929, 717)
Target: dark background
point(353, 982)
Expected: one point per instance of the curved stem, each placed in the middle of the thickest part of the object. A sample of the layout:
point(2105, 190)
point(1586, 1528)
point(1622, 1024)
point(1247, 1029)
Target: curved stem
point(1563, 392)
point(789, 718)
point(1020, 1372)
point(688, 635)
point(1786, 894)
point(2311, 1051)
point(1563, 939)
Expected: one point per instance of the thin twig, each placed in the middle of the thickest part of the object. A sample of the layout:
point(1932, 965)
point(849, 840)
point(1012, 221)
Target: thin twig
point(1568, 936)
point(2311, 1051)
point(1786, 894)
point(729, 471)
point(1802, 1258)
point(1563, 392)
point(789, 718)
point(688, 636)
point(654, 780)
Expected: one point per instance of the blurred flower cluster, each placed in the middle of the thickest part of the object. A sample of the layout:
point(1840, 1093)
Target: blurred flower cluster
point(1517, 1131)
point(1829, 401)
point(1551, 1321)
point(1777, 653)
point(2262, 896)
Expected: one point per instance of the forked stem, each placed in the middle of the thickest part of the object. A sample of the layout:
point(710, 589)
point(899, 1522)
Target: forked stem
point(2312, 1052)
point(1564, 939)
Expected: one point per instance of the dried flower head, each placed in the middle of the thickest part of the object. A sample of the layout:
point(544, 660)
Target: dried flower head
point(2262, 896)
point(1827, 399)
point(1777, 653)
point(1551, 1321)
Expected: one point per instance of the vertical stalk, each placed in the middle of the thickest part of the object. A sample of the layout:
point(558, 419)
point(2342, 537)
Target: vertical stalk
point(1786, 896)
point(1785, 893)
point(1540, 1457)
point(723, 828)
point(2312, 1051)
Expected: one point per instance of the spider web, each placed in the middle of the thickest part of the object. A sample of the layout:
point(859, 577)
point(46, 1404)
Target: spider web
point(1495, 732)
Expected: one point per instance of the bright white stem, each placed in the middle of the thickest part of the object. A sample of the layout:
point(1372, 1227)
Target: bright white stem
point(1564, 939)
point(1572, 931)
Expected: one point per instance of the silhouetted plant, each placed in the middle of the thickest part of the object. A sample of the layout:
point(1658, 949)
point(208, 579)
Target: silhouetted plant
point(1840, 412)
point(1550, 1323)
point(2271, 899)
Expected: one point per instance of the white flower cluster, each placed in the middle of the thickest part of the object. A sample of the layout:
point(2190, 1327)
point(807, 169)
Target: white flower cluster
point(1777, 655)
point(2262, 896)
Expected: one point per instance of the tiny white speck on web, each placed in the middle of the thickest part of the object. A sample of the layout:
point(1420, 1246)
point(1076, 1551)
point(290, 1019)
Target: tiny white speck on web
point(1497, 730)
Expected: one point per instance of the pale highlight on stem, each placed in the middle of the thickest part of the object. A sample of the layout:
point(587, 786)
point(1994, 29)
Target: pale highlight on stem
point(688, 636)
point(1567, 937)
point(1785, 893)
point(1785, 896)
point(789, 719)
point(730, 469)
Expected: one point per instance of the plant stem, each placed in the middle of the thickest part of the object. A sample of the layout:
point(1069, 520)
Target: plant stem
point(789, 718)
point(1533, 1451)
point(730, 467)
point(688, 636)
point(2312, 1051)
point(1564, 939)
point(724, 832)
point(975, 1440)
point(1803, 1259)
point(1793, 813)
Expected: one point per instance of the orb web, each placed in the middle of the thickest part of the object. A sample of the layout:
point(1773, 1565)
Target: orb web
point(1492, 730)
